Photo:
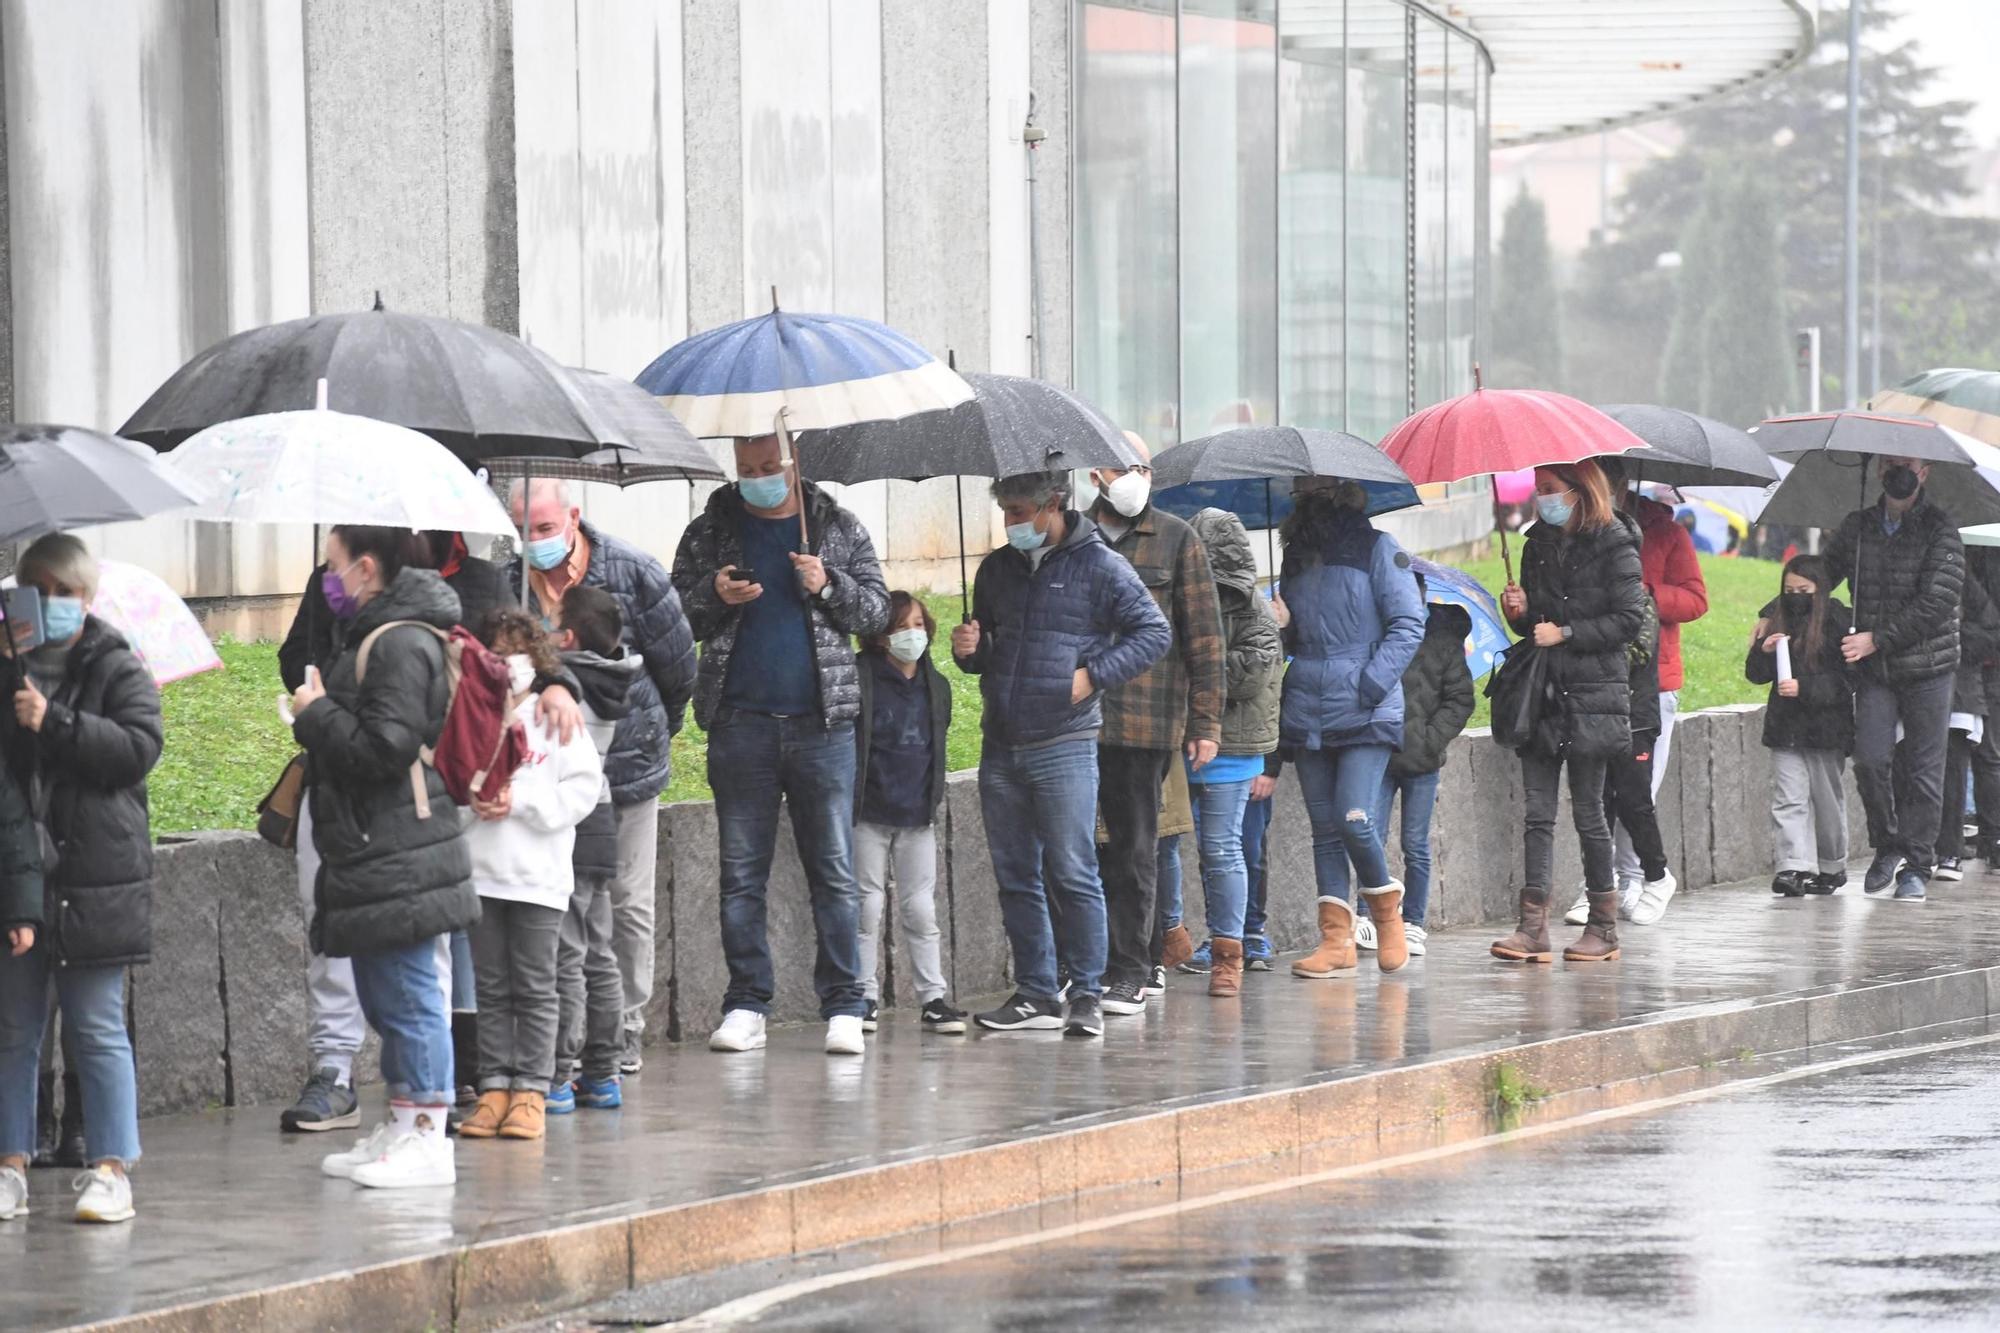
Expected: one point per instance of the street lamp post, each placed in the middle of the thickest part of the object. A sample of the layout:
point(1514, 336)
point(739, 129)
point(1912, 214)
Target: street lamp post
point(1851, 332)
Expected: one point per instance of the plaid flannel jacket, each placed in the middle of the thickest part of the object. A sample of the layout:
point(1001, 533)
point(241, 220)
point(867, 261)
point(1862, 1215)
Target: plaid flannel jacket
point(1180, 696)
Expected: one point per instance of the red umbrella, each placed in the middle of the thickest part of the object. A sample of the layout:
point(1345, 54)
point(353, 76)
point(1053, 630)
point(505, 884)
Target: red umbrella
point(1502, 430)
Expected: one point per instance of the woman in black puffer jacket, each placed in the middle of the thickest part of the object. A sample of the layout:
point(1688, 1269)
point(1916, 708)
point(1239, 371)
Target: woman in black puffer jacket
point(1582, 600)
point(83, 732)
point(392, 877)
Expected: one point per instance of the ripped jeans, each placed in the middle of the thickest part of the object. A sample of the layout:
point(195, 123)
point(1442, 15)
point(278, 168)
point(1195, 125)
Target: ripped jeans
point(1342, 789)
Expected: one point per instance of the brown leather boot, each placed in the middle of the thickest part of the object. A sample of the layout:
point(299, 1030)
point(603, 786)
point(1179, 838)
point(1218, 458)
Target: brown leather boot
point(526, 1116)
point(1177, 948)
point(1225, 973)
point(1599, 941)
point(484, 1122)
point(1335, 955)
point(1530, 941)
point(1385, 909)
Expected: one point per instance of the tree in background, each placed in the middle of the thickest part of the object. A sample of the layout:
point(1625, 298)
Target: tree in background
point(1727, 356)
point(1527, 326)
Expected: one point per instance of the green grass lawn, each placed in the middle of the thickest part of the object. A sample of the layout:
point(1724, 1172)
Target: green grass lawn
point(225, 743)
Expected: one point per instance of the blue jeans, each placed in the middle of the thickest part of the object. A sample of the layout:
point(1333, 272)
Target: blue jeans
point(1341, 789)
point(401, 998)
point(1167, 871)
point(92, 1000)
point(1419, 799)
point(1040, 808)
point(1256, 831)
point(753, 760)
point(1225, 878)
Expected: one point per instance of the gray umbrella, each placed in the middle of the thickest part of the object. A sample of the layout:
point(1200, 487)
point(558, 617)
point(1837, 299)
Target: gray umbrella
point(1685, 449)
point(57, 477)
point(649, 442)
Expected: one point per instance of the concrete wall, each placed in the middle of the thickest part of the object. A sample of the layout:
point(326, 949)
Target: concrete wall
point(219, 1016)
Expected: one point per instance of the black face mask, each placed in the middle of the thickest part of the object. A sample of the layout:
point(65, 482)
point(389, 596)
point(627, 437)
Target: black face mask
point(1797, 607)
point(1900, 483)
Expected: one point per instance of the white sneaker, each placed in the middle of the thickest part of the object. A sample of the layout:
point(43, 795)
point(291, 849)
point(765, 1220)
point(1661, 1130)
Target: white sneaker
point(106, 1196)
point(340, 1165)
point(741, 1030)
point(413, 1161)
point(13, 1194)
point(1653, 900)
point(843, 1035)
point(1414, 937)
point(1364, 931)
point(1628, 896)
point(1579, 911)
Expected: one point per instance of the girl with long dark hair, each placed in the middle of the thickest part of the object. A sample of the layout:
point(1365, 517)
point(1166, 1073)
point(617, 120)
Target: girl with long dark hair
point(1808, 727)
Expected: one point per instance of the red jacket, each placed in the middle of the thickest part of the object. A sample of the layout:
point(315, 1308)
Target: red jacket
point(1673, 576)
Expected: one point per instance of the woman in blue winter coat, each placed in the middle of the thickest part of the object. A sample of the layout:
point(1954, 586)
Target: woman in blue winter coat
point(1356, 621)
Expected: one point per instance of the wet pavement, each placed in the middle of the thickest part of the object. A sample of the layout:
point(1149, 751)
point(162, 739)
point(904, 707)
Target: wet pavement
point(229, 1205)
point(1855, 1199)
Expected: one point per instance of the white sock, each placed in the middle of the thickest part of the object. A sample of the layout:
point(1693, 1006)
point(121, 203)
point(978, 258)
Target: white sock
point(403, 1117)
point(429, 1121)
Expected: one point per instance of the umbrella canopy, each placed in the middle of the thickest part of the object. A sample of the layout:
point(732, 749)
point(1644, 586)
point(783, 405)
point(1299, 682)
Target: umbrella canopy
point(1258, 453)
point(1513, 488)
point(56, 477)
point(1010, 426)
point(1966, 400)
point(479, 392)
point(1685, 449)
point(1854, 434)
point(330, 467)
point(1455, 587)
point(153, 620)
point(1827, 484)
point(1502, 430)
point(650, 442)
point(825, 370)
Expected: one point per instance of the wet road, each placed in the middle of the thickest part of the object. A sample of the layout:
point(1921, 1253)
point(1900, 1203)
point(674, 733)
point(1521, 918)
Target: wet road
point(1851, 1199)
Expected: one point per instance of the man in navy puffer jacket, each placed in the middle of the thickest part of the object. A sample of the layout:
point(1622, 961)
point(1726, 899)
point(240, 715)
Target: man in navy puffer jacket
point(1058, 617)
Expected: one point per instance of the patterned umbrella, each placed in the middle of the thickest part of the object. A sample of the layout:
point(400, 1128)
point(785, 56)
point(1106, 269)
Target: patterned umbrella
point(1965, 400)
point(154, 620)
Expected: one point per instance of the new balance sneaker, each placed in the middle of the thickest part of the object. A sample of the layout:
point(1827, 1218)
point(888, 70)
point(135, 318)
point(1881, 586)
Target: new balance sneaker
point(741, 1030)
point(104, 1195)
point(1909, 887)
point(1414, 937)
point(1086, 1019)
point(634, 1058)
point(324, 1103)
point(1949, 868)
point(1156, 981)
point(940, 1017)
point(413, 1161)
point(873, 1018)
point(13, 1193)
point(1364, 932)
point(1257, 955)
point(600, 1094)
point(1023, 1013)
point(1881, 877)
point(561, 1099)
point(844, 1035)
point(340, 1165)
point(1200, 961)
point(1124, 998)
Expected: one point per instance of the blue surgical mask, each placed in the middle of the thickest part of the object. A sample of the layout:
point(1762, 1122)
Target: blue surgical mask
point(62, 617)
point(1025, 536)
point(1555, 510)
point(545, 553)
point(764, 492)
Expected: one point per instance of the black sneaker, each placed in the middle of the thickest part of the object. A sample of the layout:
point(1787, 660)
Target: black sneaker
point(1881, 875)
point(1085, 1018)
point(1949, 868)
point(941, 1017)
point(1125, 997)
point(872, 1019)
point(1022, 1013)
point(324, 1103)
point(1827, 882)
point(634, 1057)
point(1156, 984)
point(1790, 884)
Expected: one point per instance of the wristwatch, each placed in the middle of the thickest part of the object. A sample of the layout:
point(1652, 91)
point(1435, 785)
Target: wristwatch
point(826, 590)
point(1566, 633)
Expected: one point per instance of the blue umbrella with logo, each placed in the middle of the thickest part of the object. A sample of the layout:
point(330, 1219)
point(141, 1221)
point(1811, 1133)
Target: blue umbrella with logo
point(1455, 587)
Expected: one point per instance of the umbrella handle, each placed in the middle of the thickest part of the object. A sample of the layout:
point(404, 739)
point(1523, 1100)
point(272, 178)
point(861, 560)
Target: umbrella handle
point(964, 588)
point(790, 459)
point(1506, 557)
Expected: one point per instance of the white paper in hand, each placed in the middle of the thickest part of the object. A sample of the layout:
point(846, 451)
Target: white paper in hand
point(1784, 659)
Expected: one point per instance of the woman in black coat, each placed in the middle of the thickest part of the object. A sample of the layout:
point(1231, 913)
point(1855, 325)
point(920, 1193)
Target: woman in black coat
point(1808, 728)
point(84, 731)
point(1581, 599)
point(393, 875)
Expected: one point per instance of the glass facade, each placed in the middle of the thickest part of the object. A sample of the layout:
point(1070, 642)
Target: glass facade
point(1280, 212)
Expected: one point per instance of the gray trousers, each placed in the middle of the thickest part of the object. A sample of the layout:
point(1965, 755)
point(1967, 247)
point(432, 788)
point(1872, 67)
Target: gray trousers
point(632, 893)
point(910, 854)
point(514, 956)
point(1541, 778)
point(1809, 810)
point(590, 1035)
point(1902, 781)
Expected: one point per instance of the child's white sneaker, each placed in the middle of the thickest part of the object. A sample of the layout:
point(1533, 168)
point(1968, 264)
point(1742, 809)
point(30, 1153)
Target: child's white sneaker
point(843, 1035)
point(413, 1161)
point(741, 1030)
point(106, 1196)
point(340, 1165)
point(13, 1194)
point(1414, 937)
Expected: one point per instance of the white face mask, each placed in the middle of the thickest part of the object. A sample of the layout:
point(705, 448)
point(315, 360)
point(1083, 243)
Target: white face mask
point(1129, 493)
point(520, 672)
point(908, 645)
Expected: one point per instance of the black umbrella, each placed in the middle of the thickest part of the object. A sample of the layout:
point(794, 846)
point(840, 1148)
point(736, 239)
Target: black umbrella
point(1012, 425)
point(1685, 449)
point(56, 477)
point(649, 443)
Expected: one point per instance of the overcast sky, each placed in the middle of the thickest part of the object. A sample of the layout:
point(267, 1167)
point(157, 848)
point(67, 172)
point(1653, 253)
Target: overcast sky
point(1962, 38)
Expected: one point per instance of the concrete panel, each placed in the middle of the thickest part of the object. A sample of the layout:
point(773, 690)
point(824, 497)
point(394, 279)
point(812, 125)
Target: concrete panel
point(1757, 792)
point(178, 1036)
point(711, 63)
point(979, 953)
point(1691, 741)
point(476, 50)
point(788, 224)
point(1291, 888)
point(549, 185)
point(661, 1017)
point(263, 949)
point(1730, 824)
point(855, 93)
point(1008, 78)
point(265, 189)
point(1667, 808)
point(1455, 838)
point(1049, 55)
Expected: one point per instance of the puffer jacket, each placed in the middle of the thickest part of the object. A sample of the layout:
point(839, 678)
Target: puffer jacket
point(1822, 716)
point(1672, 574)
point(20, 856)
point(101, 737)
point(1357, 621)
point(315, 635)
point(1908, 589)
point(939, 693)
point(1254, 653)
point(1589, 582)
point(1437, 693)
point(1084, 607)
point(857, 601)
point(607, 686)
point(387, 877)
point(656, 629)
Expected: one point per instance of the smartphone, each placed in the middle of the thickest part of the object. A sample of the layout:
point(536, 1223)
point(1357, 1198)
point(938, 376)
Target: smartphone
point(743, 574)
point(23, 609)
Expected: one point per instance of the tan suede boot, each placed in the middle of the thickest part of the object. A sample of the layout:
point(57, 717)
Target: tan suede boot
point(1599, 941)
point(1385, 909)
point(1530, 941)
point(1335, 956)
point(1177, 947)
point(526, 1117)
point(1225, 973)
point(484, 1122)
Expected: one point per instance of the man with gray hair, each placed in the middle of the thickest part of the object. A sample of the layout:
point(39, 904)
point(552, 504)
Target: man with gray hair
point(1057, 619)
point(562, 552)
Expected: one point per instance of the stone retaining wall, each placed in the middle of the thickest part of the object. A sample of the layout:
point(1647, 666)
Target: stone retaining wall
point(219, 1016)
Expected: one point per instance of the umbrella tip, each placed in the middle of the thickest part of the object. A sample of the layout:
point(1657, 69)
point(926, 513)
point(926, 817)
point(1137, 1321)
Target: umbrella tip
point(319, 395)
point(378, 299)
point(951, 358)
point(774, 298)
point(1478, 379)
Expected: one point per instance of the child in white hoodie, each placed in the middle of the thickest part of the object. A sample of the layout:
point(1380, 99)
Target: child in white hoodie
point(520, 845)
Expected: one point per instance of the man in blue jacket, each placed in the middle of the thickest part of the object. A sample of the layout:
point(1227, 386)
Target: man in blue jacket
point(1058, 617)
